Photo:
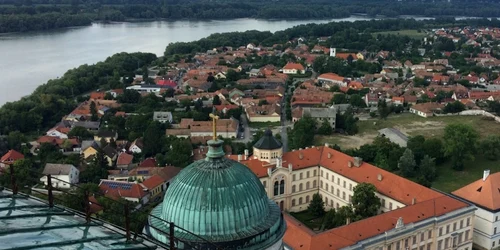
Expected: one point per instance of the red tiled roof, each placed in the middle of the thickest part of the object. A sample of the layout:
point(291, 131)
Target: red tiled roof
point(124, 159)
point(115, 189)
point(483, 193)
point(149, 162)
point(11, 156)
point(296, 66)
point(153, 182)
point(164, 82)
point(331, 76)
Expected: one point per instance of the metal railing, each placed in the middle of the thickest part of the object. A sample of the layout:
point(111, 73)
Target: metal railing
point(86, 212)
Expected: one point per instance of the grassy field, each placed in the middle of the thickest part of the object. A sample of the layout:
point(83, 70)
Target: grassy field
point(308, 219)
point(450, 180)
point(259, 125)
point(411, 125)
point(414, 34)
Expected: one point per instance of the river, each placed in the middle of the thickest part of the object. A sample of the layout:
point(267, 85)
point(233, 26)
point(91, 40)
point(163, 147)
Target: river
point(28, 60)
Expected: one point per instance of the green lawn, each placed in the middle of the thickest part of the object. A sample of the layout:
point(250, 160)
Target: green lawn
point(312, 222)
point(414, 34)
point(450, 180)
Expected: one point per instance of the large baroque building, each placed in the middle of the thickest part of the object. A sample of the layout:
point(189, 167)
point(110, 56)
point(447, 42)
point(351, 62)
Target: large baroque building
point(411, 217)
point(485, 195)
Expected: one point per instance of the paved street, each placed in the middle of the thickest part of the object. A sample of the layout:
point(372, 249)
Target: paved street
point(246, 133)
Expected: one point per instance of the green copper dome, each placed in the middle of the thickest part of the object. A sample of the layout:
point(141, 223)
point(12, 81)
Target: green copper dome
point(221, 201)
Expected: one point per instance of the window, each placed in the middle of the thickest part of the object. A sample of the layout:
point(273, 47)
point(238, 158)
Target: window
point(429, 234)
point(321, 173)
point(338, 192)
point(447, 229)
point(495, 230)
point(332, 189)
point(455, 226)
point(300, 187)
point(300, 176)
point(276, 187)
point(293, 177)
point(440, 244)
point(326, 186)
point(338, 181)
point(333, 178)
point(422, 237)
point(327, 176)
point(414, 241)
point(440, 231)
point(293, 202)
point(350, 187)
point(461, 224)
point(446, 242)
point(429, 246)
point(496, 218)
point(350, 198)
point(493, 244)
point(293, 189)
point(467, 235)
point(300, 200)
point(343, 195)
point(264, 183)
point(314, 184)
point(307, 199)
point(326, 201)
point(468, 221)
point(383, 202)
point(390, 205)
point(320, 184)
point(307, 185)
point(337, 205)
point(406, 242)
point(398, 245)
point(307, 174)
point(314, 173)
point(344, 184)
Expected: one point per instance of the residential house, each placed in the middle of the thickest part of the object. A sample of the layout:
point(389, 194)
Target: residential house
point(64, 145)
point(263, 113)
point(107, 135)
point(90, 151)
point(293, 69)
point(320, 115)
point(227, 128)
point(124, 161)
point(328, 80)
point(136, 146)
point(371, 100)
point(10, 157)
point(59, 132)
point(110, 155)
point(426, 109)
point(397, 100)
point(134, 192)
point(162, 117)
point(254, 73)
point(62, 175)
point(484, 194)
point(148, 163)
point(156, 187)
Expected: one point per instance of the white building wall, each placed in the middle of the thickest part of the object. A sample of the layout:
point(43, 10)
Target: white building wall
point(487, 229)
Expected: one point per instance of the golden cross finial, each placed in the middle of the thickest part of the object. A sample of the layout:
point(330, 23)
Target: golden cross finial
point(214, 124)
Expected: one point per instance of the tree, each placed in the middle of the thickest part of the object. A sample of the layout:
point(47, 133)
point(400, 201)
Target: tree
point(80, 132)
point(210, 77)
point(416, 144)
point(263, 102)
point(316, 207)
point(407, 164)
point(153, 139)
point(96, 170)
point(26, 173)
point(300, 136)
point(351, 128)
point(232, 75)
point(325, 128)
point(93, 111)
point(129, 96)
point(180, 154)
point(15, 139)
point(427, 168)
point(383, 109)
point(364, 201)
point(454, 107)
point(216, 100)
point(490, 147)
point(75, 199)
point(339, 99)
point(357, 101)
point(433, 147)
point(460, 143)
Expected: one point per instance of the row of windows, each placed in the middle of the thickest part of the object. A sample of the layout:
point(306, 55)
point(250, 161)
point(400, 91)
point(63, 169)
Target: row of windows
point(264, 155)
point(454, 241)
point(301, 176)
point(300, 201)
point(301, 186)
point(460, 224)
point(333, 180)
point(390, 204)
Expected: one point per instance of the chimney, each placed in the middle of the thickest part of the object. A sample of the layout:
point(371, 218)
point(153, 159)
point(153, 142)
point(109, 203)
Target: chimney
point(349, 164)
point(290, 167)
point(379, 177)
point(486, 173)
point(246, 154)
point(239, 158)
point(278, 163)
point(301, 155)
point(313, 146)
point(413, 201)
point(269, 171)
point(348, 221)
point(329, 155)
point(300, 148)
point(327, 145)
point(358, 161)
point(307, 148)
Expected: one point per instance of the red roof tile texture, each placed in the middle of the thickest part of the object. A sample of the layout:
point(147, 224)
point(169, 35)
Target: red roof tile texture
point(11, 156)
point(483, 193)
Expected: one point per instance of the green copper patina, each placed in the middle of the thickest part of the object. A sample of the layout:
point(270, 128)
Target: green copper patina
point(221, 201)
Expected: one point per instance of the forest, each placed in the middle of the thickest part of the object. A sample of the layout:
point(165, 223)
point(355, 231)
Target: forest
point(27, 15)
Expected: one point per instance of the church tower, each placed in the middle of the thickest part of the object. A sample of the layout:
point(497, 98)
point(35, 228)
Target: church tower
point(268, 148)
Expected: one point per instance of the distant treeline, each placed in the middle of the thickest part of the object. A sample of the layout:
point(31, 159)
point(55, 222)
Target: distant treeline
point(25, 15)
